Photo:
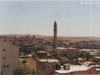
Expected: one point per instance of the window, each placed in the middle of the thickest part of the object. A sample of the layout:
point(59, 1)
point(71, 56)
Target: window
point(4, 58)
point(4, 66)
point(7, 65)
point(48, 67)
point(4, 50)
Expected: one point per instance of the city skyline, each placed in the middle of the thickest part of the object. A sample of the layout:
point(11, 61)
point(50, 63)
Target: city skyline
point(37, 17)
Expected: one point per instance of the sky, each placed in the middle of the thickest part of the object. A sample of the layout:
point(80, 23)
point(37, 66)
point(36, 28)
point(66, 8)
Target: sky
point(74, 18)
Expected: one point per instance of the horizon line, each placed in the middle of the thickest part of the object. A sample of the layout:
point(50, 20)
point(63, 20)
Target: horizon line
point(48, 35)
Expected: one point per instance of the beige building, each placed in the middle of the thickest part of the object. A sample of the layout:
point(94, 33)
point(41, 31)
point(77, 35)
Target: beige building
point(8, 58)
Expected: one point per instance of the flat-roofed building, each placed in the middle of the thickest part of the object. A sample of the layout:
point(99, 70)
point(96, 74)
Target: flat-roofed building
point(8, 58)
point(73, 51)
point(47, 66)
point(77, 70)
point(41, 54)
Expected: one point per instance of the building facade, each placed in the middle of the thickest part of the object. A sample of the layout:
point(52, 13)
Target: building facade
point(8, 58)
point(47, 66)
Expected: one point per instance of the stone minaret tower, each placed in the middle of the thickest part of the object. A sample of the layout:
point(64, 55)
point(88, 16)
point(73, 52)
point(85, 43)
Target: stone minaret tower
point(55, 35)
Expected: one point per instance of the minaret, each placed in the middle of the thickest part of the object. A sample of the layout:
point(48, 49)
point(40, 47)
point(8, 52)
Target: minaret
point(55, 35)
point(15, 38)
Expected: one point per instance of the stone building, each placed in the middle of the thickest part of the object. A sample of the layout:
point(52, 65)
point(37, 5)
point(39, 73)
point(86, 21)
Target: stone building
point(47, 66)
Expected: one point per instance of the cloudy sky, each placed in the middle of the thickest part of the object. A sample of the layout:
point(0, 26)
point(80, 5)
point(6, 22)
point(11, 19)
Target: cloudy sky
point(74, 18)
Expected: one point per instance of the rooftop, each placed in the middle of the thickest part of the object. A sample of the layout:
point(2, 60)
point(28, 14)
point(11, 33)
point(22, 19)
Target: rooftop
point(71, 48)
point(48, 60)
point(61, 48)
point(97, 57)
point(65, 48)
point(74, 68)
point(41, 52)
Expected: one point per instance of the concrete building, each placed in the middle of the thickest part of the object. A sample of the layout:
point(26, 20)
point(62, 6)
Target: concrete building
point(73, 51)
point(8, 58)
point(94, 52)
point(47, 66)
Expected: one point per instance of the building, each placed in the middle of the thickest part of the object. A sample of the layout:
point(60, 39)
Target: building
point(60, 49)
point(41, 54)
point(55, 35)
point(77, 70)
point(47, 66)
point(94, 52)
point(30, 64)
point(73, 51)
point(8, 58)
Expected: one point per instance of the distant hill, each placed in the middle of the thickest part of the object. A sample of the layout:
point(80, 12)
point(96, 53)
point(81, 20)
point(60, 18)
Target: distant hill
point(73, 39)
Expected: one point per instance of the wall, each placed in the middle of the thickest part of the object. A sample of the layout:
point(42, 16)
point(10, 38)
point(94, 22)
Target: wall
point(46, 68)
point(9, 57)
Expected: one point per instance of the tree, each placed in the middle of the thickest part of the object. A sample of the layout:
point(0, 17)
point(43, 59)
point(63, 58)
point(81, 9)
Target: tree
point(71, 56)
point(20, 71)
point(24, 62)
point(34, 55)
point(85, 55)
point(35, 72)
point(57, 67)
point(64, 54)
point(97, 61)
point(79, 47)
